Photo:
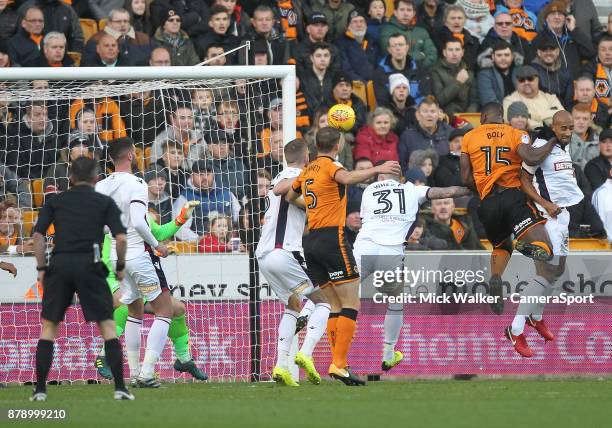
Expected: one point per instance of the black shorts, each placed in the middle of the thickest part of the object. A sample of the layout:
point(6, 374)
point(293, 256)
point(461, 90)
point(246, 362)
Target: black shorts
point(76, 273)
point(507, 213)
point(329, 256)
point(163, 282)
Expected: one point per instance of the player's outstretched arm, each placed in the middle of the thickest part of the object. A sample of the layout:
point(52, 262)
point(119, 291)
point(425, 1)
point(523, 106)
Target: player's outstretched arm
point(467, 178)
point(9, 267)
point(527, 186)
point(294, 198)
point(353, 177)
point(535, 155)
point(447, 192)
point(282, 187)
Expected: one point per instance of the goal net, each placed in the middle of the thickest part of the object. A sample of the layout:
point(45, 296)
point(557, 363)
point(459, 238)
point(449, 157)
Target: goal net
point(229, 123)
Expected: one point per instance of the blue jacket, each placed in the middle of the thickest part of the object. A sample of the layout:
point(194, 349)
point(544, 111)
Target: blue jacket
point(359, 64)
point(216, 199)
point(418, 78)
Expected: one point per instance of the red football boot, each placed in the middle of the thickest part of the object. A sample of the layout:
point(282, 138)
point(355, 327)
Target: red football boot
point(541, 328)
point(520, 343)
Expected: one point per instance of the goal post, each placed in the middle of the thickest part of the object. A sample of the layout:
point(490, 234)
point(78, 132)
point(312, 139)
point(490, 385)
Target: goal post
point(231, 338)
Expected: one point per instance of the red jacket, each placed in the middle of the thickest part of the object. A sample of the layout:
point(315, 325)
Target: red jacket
point(372, 146)
point(210, 244)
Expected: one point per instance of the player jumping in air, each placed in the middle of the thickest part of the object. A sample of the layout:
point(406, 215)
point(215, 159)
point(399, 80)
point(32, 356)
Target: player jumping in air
point(552, 186)
point(280, 260)
point(178, 331)
point(329, 258)
point(491, 158)
point(388, 211)
point(141, 281)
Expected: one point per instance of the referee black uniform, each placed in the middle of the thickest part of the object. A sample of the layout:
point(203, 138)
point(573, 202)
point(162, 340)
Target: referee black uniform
point(79, 216)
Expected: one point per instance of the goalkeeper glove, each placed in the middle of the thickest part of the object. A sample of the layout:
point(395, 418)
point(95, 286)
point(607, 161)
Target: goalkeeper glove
point(186, 212)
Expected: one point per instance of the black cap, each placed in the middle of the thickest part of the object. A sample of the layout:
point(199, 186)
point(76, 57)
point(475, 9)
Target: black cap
point(606, 133)
point(317, 18)
point(155, 171)
point(201, 167)
point(544, 42)
point(459, 132)
point(341, 77)
point(79, 141)
point(526, 71)
point(354, 14)
point(219, 136)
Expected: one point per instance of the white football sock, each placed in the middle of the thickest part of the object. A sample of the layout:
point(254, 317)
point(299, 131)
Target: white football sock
point(536, 287)
point(308, 308)
point(394, 319)
point(133, 337)
point(539, 310)
point(156, 340)
point(286, 331)
point(317, 323)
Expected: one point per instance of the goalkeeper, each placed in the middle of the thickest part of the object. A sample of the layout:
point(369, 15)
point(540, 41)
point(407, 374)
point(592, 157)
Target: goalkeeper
point(178, 332)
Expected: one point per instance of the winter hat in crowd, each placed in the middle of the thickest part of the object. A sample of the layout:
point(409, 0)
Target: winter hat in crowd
point(518, 108)
point(396, 80)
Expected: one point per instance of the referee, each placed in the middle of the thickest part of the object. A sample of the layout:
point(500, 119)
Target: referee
point(79, 215)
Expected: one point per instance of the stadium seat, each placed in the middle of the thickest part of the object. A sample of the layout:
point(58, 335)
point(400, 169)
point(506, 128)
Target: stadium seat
point(29, 219)
point(473, 118)
point(389, 8)
point(101, 24)
point(371, 96)
point(89, 27)
point(140, 160)
point(76, 57)
point(147, 156)
point(359, 90)
point(38, 197)
point(589, 244)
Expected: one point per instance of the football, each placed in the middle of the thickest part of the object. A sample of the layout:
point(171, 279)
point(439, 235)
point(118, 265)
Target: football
point(341, 117)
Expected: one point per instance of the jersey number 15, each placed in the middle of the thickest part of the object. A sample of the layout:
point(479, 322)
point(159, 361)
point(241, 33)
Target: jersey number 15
point(498, 157)
point(383, 196)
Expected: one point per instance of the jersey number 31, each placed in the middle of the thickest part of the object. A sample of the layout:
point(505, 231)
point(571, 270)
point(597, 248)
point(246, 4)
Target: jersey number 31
point(383, 196)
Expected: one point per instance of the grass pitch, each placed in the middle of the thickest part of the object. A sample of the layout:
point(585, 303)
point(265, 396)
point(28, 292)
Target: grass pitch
point(427, 404)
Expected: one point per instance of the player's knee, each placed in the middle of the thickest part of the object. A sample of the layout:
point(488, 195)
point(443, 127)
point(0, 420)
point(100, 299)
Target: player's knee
point(178, 307)
point(504, 249)
point(293, 303)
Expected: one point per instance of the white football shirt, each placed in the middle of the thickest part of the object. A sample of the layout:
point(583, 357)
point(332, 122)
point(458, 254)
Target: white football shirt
point(554, 178)
point(126, 188)
point(388, 210)
point(602, 202)
point(283, 222)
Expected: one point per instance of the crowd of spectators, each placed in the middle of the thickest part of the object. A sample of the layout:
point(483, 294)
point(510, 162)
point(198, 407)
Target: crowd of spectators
point(425, 61)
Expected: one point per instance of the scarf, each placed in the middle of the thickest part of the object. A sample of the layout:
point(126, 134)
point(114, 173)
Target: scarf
point(602, 85)
point(288, 18)
point(522, 24)
point(474, 11)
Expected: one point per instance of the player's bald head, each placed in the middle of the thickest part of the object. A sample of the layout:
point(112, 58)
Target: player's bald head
point(563, 126)
point(492, 112)
point(561, 116)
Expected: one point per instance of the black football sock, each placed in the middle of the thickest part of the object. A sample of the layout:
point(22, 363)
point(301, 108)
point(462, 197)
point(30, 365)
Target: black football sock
point(114, 358)
point(44, 358)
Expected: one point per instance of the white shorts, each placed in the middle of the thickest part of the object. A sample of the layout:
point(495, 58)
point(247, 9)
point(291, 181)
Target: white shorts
point(140, 280)
point(371, 257)
point(284, 274)
point(558, 232)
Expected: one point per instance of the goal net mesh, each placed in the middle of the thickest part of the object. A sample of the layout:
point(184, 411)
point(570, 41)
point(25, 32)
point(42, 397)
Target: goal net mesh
point(230, 128)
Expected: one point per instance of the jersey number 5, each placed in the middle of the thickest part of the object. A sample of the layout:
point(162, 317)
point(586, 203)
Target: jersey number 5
point(313, 197)
point(498, 157)
point(387, 204)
